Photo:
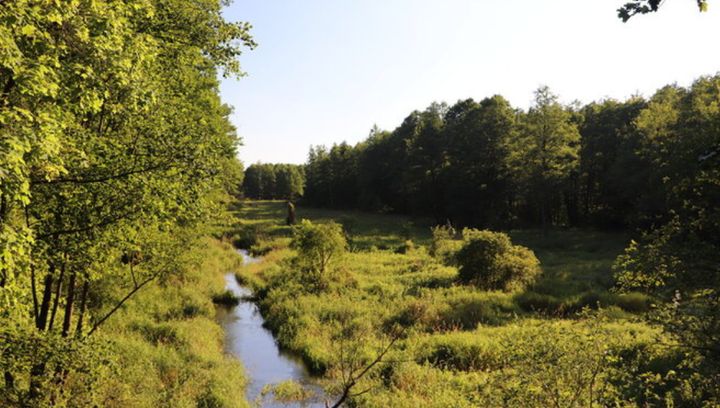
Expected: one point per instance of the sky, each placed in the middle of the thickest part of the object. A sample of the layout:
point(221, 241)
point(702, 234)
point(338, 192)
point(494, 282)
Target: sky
point(326, 71)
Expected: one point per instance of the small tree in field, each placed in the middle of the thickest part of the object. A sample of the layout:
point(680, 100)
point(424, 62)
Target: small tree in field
point(490, 261)
point(317, 246)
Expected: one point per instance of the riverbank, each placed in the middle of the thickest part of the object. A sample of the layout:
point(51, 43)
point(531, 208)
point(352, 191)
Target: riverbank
point(169, 346)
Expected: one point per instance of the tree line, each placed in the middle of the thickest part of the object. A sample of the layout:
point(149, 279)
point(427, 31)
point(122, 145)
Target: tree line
point(274, 181)
point(609, 163)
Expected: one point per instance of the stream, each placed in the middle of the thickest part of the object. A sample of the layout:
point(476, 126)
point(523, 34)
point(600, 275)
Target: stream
point(256, 348)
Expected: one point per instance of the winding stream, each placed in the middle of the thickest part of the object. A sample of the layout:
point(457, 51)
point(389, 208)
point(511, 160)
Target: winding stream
point(255, 346)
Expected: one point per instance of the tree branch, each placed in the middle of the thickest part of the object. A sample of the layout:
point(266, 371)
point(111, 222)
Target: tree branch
point(119, 305)
point(353, 379)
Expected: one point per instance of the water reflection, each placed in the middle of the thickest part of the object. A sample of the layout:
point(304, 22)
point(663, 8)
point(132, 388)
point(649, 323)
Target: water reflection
point(255, 346)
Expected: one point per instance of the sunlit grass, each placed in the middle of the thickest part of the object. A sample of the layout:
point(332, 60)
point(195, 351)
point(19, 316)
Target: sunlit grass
point(456, 337)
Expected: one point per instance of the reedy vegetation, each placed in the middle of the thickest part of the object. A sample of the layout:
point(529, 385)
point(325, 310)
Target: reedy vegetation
point(462, 345)
point(114, 151)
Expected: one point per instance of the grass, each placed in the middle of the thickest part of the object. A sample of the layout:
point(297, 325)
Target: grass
point(168, 345)
point(456, 340)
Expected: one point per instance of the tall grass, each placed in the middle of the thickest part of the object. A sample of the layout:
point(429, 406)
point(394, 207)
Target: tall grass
point(168, 346)
point(457, 340)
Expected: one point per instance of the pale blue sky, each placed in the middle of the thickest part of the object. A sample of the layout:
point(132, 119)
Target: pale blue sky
point(327, 70)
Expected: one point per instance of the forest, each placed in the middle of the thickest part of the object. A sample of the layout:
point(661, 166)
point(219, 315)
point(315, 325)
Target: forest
point(478, 255)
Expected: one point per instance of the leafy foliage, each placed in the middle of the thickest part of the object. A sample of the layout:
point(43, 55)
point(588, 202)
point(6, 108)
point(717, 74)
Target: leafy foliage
point(677, 260)
point(490, 261)
point(317, 245)
point(115, 151)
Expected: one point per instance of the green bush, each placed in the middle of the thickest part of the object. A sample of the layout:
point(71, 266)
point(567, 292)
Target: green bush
point(407, 247)
point(246, 237)
point(633, 302)
point(317, 245)
point(542, 303)
point(461, 352)
point(490, 261)
point(444, 245)
point(468, 310)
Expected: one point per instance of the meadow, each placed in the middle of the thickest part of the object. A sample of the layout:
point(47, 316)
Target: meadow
point(567, 340)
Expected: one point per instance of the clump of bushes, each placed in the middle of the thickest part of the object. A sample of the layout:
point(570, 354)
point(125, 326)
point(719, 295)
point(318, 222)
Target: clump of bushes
point(246, 237)
point(490, 261)
point(288, 392)
point(407, 247)
point(468, 310)
point(541, 302)
point(633, 302)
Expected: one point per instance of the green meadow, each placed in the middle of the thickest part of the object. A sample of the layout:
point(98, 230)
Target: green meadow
point(558, 342)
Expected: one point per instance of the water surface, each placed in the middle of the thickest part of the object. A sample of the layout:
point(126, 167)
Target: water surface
point(255, 346)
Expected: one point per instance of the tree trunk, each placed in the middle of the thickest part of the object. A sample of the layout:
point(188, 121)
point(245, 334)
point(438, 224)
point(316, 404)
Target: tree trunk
point(69, 306)
point(9, 381)
point(543, 220)
point(58, 293)
point(83, 303)
point(37, 370)
point(33, 288)
point(41, 321)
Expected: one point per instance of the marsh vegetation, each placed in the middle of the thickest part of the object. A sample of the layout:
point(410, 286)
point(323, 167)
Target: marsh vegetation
point(568, 337)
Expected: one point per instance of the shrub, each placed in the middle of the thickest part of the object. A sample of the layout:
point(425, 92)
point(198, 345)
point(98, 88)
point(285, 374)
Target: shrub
point(407, 247)
point(417, 312)
point(490, 261)
point(246, 237)
point(226, 298)
point(444, 246)
point(543, 303)
point(633, 302)
point(317, 246)
point(468, 310)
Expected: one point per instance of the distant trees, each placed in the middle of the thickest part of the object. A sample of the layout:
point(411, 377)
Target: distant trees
point(545, 159)
point(611, 164)
point(332, 175)
point(274, 181)
point(476, 177)
point(611, 172)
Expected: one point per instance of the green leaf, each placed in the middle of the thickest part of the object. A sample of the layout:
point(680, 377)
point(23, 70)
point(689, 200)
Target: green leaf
point(27, 30)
